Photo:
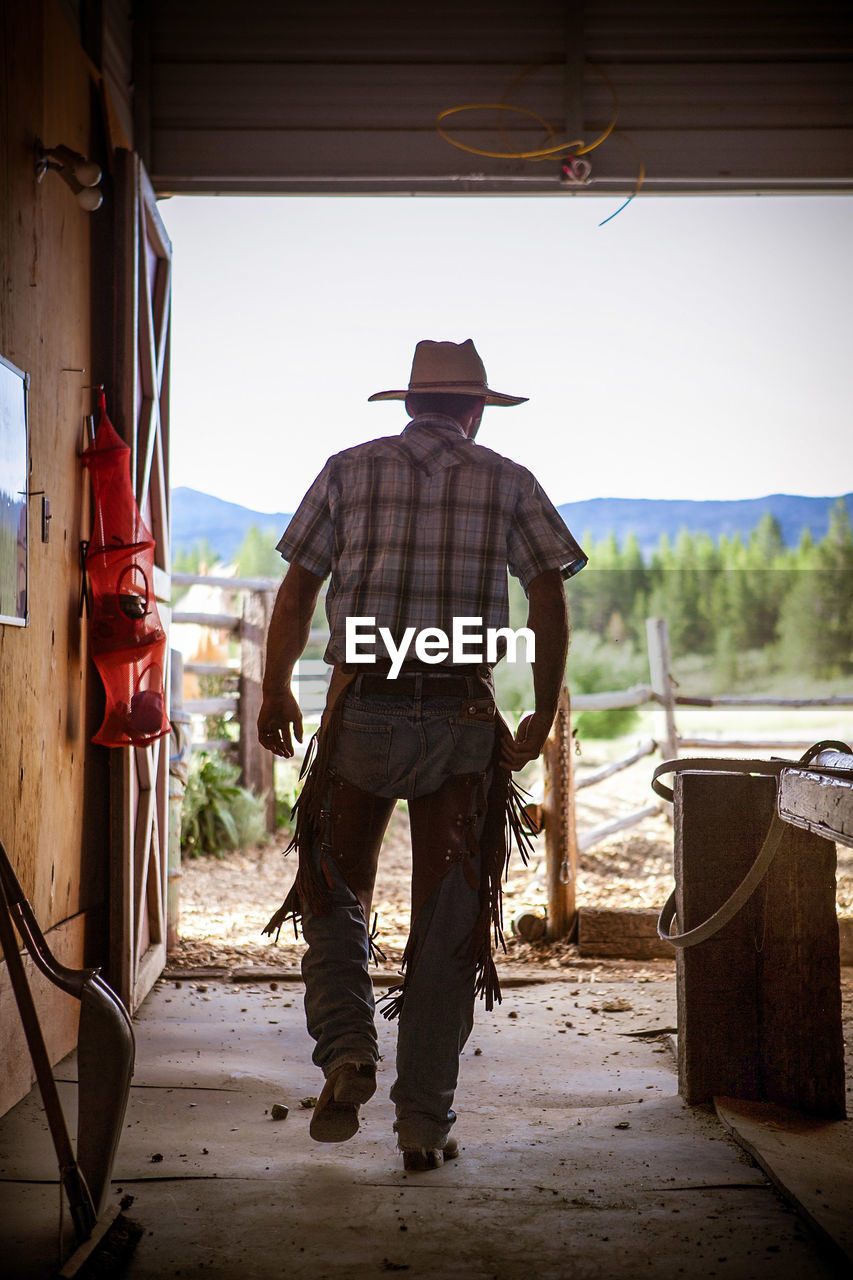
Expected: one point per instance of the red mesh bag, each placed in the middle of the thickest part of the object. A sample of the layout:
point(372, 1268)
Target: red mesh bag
point(127, 640)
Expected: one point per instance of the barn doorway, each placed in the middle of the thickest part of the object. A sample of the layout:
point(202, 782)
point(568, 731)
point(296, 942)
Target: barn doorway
point(650, 344)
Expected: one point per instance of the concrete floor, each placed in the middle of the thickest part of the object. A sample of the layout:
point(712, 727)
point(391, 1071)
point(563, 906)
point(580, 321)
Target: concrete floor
point(578, 1157)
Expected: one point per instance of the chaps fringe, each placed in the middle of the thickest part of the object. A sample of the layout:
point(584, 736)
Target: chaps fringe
point(506, 824)
point(308, 890)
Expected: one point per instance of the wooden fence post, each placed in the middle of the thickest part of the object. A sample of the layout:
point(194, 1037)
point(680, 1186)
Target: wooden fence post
point(660, 670)
point(558, 808)
point(256, 764)
point(759, 1003)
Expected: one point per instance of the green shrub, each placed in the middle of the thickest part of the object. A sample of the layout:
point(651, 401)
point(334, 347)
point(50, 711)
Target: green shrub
point(217, 814)
point(287, 788)
point(595, 666)
point(221, 724)
point(514, 688)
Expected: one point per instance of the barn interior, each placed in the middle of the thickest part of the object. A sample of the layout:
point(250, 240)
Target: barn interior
point(336, 99)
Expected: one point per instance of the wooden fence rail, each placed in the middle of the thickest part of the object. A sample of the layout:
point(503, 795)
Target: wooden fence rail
point(249, 628)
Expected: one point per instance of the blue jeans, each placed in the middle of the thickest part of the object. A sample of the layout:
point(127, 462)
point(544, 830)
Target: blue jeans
point(403, 747)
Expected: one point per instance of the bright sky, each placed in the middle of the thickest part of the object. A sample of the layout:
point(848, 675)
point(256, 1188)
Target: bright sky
point(694, 347)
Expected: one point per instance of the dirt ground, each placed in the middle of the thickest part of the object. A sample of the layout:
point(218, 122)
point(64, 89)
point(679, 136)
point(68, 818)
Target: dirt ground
point(226, 902)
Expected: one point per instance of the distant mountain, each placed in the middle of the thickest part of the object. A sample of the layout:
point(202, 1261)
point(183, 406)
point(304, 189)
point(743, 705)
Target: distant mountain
point(198, 516)
point(648, 518)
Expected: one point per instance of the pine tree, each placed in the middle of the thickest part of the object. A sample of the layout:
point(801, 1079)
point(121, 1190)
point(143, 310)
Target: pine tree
point(816, 623)
point(836, 569)
point(200, 558)
point(765, 565)
point(257, 557)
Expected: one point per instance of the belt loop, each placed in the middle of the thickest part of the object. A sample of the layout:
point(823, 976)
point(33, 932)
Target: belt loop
point(356, 688)
point(469, 685)
point(419, 684)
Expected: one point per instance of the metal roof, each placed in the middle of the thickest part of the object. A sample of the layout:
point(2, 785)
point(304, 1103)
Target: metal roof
point(337, 96)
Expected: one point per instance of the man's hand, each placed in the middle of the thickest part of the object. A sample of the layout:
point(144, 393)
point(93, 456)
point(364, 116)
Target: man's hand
point(528, 741)
point(278, 713)
point(549, 621)
point(290, 627)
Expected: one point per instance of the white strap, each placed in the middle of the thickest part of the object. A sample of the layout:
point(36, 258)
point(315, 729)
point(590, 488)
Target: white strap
point(766, 853)
point(733, 904)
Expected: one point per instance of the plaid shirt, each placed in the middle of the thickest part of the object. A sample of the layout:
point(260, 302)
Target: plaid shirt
point(418, 528)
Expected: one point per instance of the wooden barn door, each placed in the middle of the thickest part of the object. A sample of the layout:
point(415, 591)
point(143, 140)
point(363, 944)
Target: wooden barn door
point(140, 775)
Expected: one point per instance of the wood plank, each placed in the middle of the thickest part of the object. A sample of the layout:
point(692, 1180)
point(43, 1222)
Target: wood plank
point(313, 668)
point(152, 367)
point(226, 671)
point(58, 1013)
point(219, 621)
point(156, 228)
point(627, 934)
point(122, 785)
point(663, 684)
point(631, 933)
point(148, 970)
point(145, 815)
point(154, 294)
point(156, 897)
point(820, 804)
point(215, 580)
point(53, 783)
point(845, 939)
point(588, 839)
point(256, 763)
point(809, 1160)
point(159, 497)
point(613, 699)
point(223, 705)
point(799, 973)
point(754, 745)
point(292, 159)
point(759, 1003)
point(718, 1041)
point(558, 807)
point(646, 748)
point(162, 585)
point(733, 700)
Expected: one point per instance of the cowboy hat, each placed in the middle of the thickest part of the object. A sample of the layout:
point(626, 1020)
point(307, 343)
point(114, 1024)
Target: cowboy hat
point(452, 368)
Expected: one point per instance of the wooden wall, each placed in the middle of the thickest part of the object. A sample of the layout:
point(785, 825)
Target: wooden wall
point(55, 322)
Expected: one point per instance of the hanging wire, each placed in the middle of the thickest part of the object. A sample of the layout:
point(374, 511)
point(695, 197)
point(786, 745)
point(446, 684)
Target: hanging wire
point(577, 147)
point(540, 153)
point(641, 174)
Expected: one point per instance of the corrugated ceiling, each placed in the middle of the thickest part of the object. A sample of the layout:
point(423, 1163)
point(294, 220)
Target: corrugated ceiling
point(334, 96)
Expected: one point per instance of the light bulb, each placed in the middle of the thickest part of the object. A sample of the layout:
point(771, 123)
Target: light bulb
point(88, 174)
point(90, 199)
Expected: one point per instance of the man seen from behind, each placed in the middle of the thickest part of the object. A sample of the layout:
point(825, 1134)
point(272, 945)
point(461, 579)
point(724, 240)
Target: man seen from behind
point(416, 532)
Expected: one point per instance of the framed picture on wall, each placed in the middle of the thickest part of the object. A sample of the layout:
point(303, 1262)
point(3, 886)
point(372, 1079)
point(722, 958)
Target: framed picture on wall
point(14, 482)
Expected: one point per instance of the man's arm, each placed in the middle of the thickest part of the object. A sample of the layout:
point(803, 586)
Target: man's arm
point(290, 627)
point(548, 619)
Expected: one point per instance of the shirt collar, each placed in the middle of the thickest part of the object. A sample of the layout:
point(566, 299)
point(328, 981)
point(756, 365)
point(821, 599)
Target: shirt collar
point(431, 420)
point(431, 440)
